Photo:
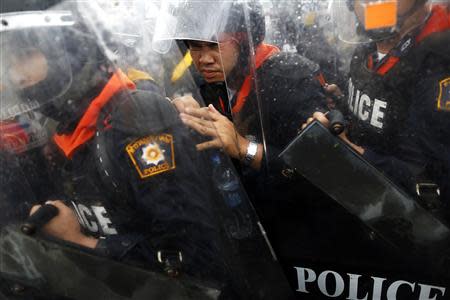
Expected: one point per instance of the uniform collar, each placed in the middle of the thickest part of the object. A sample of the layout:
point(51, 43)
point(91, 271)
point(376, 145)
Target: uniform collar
point(87, 125)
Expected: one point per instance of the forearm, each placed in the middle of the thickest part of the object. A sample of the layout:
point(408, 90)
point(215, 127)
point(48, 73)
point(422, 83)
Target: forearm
point(355, 147)
point(87, 241)
point(80, 239)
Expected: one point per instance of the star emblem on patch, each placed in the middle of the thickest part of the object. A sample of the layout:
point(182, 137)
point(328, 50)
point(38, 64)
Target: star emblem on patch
point(152, 155)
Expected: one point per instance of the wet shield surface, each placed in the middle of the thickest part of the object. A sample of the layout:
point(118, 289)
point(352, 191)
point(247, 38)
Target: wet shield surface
point(396, 224)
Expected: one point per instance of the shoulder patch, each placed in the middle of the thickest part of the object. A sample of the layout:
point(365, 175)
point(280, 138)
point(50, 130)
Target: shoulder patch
point(443, 101)
point(153, 154)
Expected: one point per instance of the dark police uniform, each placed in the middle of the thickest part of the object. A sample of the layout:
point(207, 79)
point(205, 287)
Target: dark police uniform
point(289, 93)
point(132, 184)
point(293, 211)
point(399, 106)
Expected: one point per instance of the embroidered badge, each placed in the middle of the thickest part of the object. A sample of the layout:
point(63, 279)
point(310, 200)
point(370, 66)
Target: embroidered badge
point(443, 101)
point(152, 155)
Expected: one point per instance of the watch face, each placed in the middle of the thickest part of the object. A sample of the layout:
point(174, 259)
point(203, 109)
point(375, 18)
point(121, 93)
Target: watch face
point(251, 153)
point(252, 149)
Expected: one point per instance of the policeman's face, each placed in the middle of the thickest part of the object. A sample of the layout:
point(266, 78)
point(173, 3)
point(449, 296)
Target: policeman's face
point(403, 6)
point(26, 68)
point(214, 60)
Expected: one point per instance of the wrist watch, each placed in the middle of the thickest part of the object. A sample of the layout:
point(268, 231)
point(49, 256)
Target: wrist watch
point(252, 149)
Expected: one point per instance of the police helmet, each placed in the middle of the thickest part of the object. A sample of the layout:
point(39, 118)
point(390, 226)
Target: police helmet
point(386, 32)
point(51, 39)
point(253, 23)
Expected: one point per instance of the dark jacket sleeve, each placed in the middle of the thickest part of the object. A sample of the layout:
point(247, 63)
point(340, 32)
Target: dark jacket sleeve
point(290, 93)
point(170, 209)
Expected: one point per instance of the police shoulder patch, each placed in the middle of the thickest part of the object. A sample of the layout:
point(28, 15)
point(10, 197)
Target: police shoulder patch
point(443, 101)
point(153, 154)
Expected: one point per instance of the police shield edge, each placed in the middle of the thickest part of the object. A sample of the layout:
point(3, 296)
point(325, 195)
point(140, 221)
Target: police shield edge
point(393, 220)
point(218, 38)
point(39, 268)
point(354, 244)
point(112, 179)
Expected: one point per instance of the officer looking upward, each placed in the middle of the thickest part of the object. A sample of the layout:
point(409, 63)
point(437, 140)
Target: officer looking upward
point(399, 92)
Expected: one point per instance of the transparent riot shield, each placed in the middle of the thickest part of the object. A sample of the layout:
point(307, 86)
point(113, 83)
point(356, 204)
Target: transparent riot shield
point(229, 77)
point(367, 193)
point(216, 38)
point(261, 93)
point(35, 267)
point(135, 210)
point(384, 213)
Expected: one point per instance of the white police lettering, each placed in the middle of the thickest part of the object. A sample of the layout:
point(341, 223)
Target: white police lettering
point(322, 282)
point(304, 278)
point(332, 285)
point(364, 108)
point(86, 215)
point(364, 103)
point(377, 114)
point(425, 291)
point(94, 219)
point(377, 287)
point(393, 288)
point(353, 289)
point(104, 222)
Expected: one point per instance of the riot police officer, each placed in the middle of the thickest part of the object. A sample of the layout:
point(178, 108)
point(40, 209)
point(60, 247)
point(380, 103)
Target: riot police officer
point(398, 93)
point(254, 95)
point(121, 162)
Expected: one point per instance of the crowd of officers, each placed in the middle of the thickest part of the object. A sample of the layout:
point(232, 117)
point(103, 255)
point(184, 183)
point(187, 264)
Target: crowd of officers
point(131, 173)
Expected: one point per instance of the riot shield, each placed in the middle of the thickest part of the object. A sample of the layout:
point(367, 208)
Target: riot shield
point(228, 79)
point(266, 93)
point(392, 217)
point(125, 172)
point(220, 42)
point(36, 267)
point(364, 191)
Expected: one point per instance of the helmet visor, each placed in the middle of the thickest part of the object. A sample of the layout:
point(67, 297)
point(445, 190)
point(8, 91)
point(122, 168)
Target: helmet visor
point(359, 21)
point(190, 20)
point(34, 67)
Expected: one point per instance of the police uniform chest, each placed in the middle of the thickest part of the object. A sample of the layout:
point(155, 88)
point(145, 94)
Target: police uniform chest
point(378, 103)
point(82, 187)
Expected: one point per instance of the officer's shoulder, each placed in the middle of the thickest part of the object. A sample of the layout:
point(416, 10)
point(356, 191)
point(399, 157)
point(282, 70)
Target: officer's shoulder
point(143, 111)
point(437, 43)
point(289, 65)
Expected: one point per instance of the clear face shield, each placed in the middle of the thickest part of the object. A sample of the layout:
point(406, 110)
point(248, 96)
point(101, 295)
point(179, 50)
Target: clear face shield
point(33, 54)
point(124, 31)
point(200, 190)
point(365, 21)
point(35, 70)
point(134, 37)
point(222, 45)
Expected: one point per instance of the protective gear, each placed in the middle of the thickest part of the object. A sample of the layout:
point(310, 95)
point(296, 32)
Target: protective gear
point(209, 21)
point(254, 26)
point(67, 57)
point(387, 125)
point(225, 23)
point(370, 26)
point(406, 226)
point(135, 179)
